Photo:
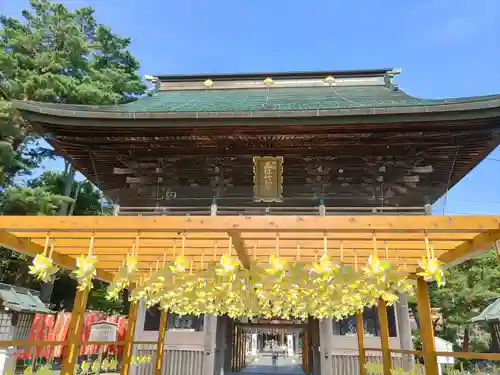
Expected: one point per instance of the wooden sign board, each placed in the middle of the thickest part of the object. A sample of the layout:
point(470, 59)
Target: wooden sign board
point(103, 331)
point(268, 178)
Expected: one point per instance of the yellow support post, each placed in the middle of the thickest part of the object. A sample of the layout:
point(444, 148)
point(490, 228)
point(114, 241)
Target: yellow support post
point(426, 330)
point(75, 332)
point(129, 339)
point(360, 332)
point(161, 342)
point(384, 336)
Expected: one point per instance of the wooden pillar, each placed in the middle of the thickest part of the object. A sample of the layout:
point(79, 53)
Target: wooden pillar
point(360, 332)
point(129, 339)
point(234, 355)
point(228, 353)
point(426, 329)
point(384, 336)
point(325, 339)
point(239, 348)
point(242, 349)
point(305, 352)
point(161, 342)
point(314, 345)
point(75, 333)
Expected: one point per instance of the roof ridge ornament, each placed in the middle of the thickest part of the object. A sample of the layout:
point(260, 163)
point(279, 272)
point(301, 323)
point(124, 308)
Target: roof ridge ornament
point(330, 80)
point(208, 83)
point(268, 82)
point(156, 85)
point(390, 79)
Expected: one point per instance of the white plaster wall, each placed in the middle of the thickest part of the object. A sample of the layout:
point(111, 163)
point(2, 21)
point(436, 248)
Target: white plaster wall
point(350, 343)
point(180, 339)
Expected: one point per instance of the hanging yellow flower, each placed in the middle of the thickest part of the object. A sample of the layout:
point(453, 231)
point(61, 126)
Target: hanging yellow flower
point(228, 265)
point(86, 269)
point(320, 290)
point(432, 271)
point(43, 268)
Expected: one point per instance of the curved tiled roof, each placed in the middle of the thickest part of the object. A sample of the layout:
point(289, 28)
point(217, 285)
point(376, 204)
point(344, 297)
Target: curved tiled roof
point(271, 100)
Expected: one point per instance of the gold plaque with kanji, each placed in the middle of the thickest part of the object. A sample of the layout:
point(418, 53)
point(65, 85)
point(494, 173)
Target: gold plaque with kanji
point(268, 178)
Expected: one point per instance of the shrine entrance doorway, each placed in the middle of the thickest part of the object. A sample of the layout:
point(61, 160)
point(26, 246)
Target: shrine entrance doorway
point(255, 342)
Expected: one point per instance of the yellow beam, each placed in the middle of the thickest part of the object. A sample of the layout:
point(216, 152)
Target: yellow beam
point(129, 339)
point(161, 342)
point(384, 336)
point(426, 328)
point(239, 245)
point(259, 252)
point(480, 243)
point(250, 223)
point(349, 258)
point(291, 244)
point(146, 265)
point(360, 332)
point(22, 245)
point(170, 236)
point(75, 333)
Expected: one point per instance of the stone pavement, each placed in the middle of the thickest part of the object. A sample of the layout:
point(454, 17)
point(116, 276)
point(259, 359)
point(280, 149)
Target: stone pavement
point(264, 365)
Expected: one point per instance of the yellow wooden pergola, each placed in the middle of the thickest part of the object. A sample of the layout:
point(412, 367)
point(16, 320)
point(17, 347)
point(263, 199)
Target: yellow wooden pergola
point(351, 239)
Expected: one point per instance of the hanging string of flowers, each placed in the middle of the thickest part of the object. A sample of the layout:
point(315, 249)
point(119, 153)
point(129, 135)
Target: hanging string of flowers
point(125, 273)
point(85, 268)
point(431, 266)
point(321, 289)
point(43, 267)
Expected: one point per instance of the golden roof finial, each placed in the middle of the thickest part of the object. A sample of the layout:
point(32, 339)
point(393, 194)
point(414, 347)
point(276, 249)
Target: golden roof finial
point(268, 81)
point(329, 80)
point(208, 83)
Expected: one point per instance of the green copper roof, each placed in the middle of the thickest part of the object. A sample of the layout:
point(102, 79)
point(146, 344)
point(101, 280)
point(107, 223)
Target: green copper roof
point(263, 100)
point(21, 300)
point(279, 99)
point(491, 312)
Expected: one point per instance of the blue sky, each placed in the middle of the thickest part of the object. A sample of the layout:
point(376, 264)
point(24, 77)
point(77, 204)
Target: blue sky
point(446, 48)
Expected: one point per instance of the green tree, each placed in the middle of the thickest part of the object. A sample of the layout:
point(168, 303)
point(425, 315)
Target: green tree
point(59, 56)
point(21, 200)
point(85, 198)
point(56, 55)
point(470, 287)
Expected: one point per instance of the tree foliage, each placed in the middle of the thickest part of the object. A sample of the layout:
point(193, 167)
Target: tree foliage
point(56, 55)
point(59, 56)
point(470, 288)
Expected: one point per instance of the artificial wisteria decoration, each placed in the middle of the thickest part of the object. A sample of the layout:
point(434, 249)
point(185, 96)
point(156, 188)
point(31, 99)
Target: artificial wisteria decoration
point(322, 289)
point(43, 267)
point(86, 268)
